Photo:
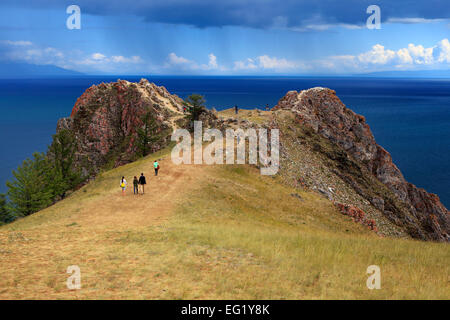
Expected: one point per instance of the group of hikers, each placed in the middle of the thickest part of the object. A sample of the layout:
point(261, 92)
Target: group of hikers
point(138, 182)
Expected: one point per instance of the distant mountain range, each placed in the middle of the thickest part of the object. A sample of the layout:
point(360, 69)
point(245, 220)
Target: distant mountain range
point(26, 70)
point(411, 74)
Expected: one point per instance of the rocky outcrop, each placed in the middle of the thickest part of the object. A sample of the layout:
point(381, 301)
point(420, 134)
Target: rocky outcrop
point(420, 213)
point(105, 120)
point(357, 215)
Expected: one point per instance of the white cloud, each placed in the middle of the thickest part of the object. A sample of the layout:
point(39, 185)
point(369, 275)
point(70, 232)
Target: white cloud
point(16, 43)
point(326, 26)
point(122, 59)
point(177, 63)
point(443, 51)
point(404, 56)
point(381, 58)
point(421, 55)
point(27, 51)
point(263, 62)
point(413, 20)
point(212, 61)
point(101, 61)
point(98, 56)
point(248, 64)
point(174, 59)
point(34, 55)
point(318, 23)
point(378, 55)
point(266, 62)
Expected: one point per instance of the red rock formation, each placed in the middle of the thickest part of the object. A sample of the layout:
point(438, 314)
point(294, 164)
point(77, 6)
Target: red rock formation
point(357, 215)
point(105, 120)
point(322, 110)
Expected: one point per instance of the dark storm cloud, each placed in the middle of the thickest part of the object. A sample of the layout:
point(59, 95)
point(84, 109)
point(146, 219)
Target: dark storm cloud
point(253, 13)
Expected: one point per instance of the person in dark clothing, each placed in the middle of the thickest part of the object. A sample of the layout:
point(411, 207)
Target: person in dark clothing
point(142, 182)
point(267, 107)
point(136, 185)
point(236, 109)
point(156, 166)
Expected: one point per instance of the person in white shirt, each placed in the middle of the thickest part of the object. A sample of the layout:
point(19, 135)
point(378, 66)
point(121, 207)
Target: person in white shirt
point(123, 185)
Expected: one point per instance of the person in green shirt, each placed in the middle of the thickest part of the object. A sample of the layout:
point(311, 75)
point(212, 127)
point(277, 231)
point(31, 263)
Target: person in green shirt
point(156, 166)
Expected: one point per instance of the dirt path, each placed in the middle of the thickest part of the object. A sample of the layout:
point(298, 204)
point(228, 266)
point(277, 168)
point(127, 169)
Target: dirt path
point(162, 193)
point(89, 231)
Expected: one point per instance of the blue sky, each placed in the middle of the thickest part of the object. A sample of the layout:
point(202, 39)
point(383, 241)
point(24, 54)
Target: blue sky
point(245, 37)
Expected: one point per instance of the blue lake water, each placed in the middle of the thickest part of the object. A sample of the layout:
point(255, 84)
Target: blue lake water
point(409, 118)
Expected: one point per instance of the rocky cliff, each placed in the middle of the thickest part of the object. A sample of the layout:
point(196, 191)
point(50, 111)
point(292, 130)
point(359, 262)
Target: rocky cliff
point(105, 120)
point(358, 157)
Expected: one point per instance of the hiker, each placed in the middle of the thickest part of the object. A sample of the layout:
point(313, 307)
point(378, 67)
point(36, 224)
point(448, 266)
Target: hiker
point(267, 107)
point(123, 185)
point(135, 185)
point(236, 109)
point(156, 166)
point(142, 182)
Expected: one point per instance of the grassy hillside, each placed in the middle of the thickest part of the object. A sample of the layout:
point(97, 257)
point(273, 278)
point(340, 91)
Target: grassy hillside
point(208, 232)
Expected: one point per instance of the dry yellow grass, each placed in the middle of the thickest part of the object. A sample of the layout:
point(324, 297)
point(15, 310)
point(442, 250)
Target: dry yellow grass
point(208, 232)
point(254, 115)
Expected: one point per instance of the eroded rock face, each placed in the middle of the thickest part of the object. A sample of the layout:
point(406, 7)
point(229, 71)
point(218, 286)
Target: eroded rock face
point(105, 120)
point(321, 110)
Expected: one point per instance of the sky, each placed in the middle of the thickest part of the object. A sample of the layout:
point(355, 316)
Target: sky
point(234, 37)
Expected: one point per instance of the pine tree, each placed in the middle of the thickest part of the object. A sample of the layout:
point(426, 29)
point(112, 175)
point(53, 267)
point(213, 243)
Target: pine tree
point(5, 216)
point(147, 135)
point(195, 105)
point(29, 191)
point(61, 155)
